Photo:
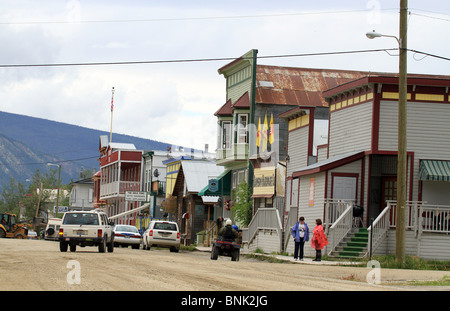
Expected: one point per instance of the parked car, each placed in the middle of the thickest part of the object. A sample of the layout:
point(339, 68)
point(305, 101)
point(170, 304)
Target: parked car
point(162, 234)
point(32, 235)
point(125, 235)
point(86, 228)
point(52, 229)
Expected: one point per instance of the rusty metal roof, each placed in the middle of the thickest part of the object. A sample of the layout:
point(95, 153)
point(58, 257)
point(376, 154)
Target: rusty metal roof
point(299, 86)
point(225, 110)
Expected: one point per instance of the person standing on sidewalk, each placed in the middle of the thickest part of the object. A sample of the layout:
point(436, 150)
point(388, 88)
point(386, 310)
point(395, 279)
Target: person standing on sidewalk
point(300, 233)
point(319, 240)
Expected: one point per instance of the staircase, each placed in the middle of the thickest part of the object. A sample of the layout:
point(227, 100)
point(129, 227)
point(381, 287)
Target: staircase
point(355, 245)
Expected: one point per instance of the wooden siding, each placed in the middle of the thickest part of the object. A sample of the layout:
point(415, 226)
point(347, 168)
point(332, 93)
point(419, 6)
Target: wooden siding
point(235, 92)
point(428, 133)
point(297, 149)
point(267, 240)
point(311, 213)
point(350, 129)
point(431, 246)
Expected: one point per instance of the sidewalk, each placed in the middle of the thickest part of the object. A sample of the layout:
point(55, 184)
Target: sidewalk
point(290, 258)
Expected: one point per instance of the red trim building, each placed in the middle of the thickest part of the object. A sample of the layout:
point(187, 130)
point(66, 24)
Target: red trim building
point(359, 162)
point(120, 171)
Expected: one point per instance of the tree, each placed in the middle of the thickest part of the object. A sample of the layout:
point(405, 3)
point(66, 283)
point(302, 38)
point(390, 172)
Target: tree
point(243, 208)
point(18, 200)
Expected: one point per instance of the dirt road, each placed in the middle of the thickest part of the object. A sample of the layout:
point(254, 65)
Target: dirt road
point(39, 265)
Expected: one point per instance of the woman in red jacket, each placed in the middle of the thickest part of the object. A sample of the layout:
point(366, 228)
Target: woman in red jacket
point(319, 240)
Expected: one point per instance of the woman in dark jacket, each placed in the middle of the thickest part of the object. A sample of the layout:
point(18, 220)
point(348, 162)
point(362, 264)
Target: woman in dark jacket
point(300, 233)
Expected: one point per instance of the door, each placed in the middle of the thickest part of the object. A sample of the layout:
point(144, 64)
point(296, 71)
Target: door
point(344, 188)
point(388, 190)
point(388, 193)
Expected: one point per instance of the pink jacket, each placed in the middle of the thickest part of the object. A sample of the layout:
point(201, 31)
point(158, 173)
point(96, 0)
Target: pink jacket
point(319, 239)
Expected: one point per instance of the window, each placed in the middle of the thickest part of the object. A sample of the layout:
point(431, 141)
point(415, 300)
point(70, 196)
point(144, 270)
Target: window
point(242, 129)
point(226, 135)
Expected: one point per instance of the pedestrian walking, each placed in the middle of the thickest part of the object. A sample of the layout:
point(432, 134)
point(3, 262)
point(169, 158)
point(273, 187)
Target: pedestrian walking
point(319, 240)
point(300, 233)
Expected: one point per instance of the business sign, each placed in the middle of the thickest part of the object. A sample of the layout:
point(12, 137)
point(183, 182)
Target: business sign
point(213, 185)
point(63, 209)
point(139, 196)
point(264, 181)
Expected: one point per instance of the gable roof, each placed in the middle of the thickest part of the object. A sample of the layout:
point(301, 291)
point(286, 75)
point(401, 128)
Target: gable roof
point(225, 110)
point(198, 173)
point(243, 101)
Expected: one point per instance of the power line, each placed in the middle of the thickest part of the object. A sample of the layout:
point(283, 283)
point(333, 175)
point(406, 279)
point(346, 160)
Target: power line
point(61, 161)
point(175, 19)
point(189, 60)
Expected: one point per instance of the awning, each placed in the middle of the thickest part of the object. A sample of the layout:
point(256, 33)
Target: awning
point(209, 199)
point(434, 170)
point(224, 181)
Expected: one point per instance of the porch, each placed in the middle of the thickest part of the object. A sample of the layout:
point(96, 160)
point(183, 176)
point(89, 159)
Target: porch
point(427, 232)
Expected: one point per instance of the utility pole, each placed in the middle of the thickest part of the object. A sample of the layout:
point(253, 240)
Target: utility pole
point(402, 155)
point(112, 108)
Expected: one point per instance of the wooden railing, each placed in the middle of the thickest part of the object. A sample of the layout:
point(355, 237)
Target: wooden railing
point(420, 217)
point(264, 218)
point(334, 209)
point(341, 227)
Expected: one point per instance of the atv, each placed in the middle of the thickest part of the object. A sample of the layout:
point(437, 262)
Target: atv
point(227, 248)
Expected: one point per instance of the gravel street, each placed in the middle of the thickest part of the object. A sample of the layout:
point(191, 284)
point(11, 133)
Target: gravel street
point(39, 265)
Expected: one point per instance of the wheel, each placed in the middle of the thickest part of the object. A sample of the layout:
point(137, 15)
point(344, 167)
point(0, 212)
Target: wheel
point(2, 233)
point(214, 253)
point(148, 247)
point(135, 246)
point(19, 236)
point(73, 247)
point(111, 246)
point(235, 255)
point(63, 246)
point(102, 246)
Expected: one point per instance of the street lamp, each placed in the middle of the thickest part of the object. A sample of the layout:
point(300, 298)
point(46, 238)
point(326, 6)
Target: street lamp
point(402, 155)
point(373, 34)
point(59, 185)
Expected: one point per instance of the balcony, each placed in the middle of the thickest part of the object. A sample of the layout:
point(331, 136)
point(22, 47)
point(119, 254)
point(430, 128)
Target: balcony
point(118, 188)
point(237, 152)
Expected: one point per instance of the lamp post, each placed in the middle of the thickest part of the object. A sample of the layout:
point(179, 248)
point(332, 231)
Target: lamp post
point(59, 185)
point(402, 153)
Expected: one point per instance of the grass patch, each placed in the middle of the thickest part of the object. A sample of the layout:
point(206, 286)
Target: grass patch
point(445, 281)
point(411, 262)
point(188, 247)
point(262, 257)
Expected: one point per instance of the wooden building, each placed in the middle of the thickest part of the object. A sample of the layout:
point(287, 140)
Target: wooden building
point(358, 166)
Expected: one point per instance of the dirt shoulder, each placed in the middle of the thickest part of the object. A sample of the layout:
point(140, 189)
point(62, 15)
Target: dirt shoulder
point(39, 265)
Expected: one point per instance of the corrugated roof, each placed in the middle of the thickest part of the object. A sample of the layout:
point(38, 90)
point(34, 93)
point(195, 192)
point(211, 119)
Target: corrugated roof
point(242, 102)
point(299, 86)
point(225, 110)
point(198, 173)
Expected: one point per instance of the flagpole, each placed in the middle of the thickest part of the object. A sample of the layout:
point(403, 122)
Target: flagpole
point(112, 108)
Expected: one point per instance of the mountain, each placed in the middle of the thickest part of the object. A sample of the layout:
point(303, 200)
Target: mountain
point(28, 143)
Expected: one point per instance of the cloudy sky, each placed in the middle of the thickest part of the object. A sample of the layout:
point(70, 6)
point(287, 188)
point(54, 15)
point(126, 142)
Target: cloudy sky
point(175, 102)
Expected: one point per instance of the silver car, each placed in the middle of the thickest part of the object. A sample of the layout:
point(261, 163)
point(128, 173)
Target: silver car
point(125, 235)
point(162, 234)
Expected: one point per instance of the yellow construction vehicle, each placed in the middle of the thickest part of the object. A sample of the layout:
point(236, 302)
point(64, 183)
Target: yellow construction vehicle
point(10, 228)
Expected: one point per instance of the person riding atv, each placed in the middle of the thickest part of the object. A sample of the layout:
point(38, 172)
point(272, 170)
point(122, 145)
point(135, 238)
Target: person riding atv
point(226, 245)
point(228, 233)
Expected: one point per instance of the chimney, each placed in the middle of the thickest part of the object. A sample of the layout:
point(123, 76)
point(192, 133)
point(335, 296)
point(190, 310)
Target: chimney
point(206, 148)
